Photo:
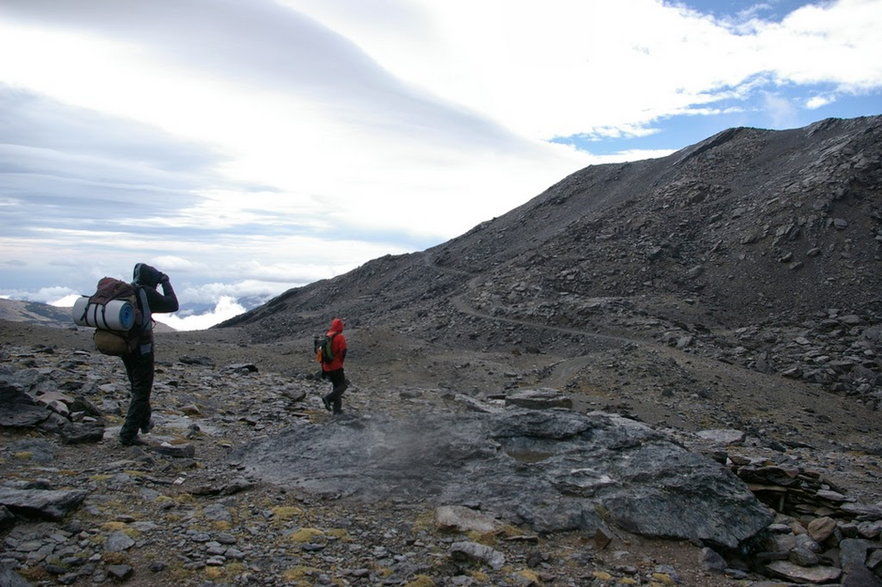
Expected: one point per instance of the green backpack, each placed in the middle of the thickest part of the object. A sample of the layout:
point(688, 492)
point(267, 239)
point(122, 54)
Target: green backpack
point(322, 346)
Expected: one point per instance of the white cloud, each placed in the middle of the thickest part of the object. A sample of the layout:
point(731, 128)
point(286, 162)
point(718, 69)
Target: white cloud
point(46, 295)
point(226, 308)
point(371, 155)
point(631, 155)
point(171, 263)
point(816, 102)
point(829, 42)
point(568, 67)
point(780, 109)
point(67, 299)
point(210, 292)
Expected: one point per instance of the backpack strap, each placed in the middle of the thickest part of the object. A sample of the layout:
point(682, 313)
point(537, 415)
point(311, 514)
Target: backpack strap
point(146, 321)
point(146, 317)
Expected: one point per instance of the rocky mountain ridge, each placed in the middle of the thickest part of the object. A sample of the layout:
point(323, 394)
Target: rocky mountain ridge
point(34, 313)
point(749, 223)
point(731, 248)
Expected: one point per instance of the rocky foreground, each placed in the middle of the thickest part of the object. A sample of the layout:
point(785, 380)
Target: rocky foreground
point(249, 481)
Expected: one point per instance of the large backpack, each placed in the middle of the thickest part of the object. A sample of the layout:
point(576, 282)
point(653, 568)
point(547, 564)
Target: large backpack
point(113, 310)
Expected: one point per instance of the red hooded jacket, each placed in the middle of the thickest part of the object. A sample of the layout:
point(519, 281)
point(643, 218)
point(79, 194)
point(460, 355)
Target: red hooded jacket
point(338, 346)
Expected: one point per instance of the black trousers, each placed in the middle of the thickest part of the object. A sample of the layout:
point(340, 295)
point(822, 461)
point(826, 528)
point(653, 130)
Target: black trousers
point(338, 380)
point(139, 369)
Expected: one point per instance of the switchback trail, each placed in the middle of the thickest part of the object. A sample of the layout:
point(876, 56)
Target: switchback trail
point(459, 304)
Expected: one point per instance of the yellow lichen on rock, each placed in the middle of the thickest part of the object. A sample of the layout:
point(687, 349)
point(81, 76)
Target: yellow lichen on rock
point(663, 579)
point(306, 534)
point(420, 581)
point(286, 512)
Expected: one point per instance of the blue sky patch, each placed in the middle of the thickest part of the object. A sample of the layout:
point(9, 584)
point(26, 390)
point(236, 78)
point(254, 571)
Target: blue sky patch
point(770, 10)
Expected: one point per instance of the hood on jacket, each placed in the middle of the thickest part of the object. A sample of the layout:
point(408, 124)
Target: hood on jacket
point(336, 326)
point(144, 274)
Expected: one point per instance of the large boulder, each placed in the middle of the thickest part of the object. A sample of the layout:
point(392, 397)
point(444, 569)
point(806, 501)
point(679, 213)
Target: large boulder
point(18, 409)
point(552, 470)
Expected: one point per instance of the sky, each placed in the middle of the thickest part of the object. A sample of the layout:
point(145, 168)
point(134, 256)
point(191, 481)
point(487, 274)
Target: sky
point(245, 147)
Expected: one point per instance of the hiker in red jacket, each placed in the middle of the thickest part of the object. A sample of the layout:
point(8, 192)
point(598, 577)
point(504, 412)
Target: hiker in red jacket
point(333, 370)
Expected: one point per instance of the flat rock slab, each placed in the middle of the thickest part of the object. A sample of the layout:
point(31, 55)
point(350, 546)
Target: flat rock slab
point(538, 399)
point(180, 451)
point(18, 409)
point(463, 519)
point(816, 575)
point(553, 470)
point(49, 503)
point(723, 436)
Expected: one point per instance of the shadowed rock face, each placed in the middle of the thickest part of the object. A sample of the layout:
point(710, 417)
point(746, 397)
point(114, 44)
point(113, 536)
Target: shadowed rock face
point(553, 470)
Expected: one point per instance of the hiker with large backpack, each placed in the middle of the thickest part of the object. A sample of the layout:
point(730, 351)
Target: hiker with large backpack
point(331, 353)
point(139, 360)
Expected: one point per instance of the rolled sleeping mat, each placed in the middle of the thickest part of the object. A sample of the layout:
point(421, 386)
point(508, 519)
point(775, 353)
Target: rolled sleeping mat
point(114, 315)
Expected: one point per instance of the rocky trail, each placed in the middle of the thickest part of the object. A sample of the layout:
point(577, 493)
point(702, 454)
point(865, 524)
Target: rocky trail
point(461, 304)
point(252, 482)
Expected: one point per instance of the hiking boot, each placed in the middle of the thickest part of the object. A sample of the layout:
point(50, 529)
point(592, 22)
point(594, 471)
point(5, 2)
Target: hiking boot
point(327, 404)
point(147, 427)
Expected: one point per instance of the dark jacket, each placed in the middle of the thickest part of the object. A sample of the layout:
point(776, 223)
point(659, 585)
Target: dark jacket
point(163, 302)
